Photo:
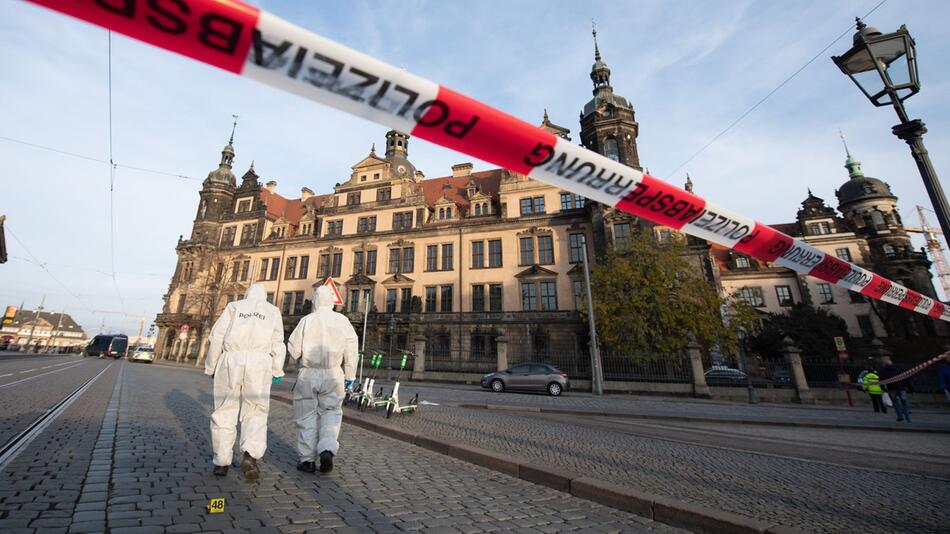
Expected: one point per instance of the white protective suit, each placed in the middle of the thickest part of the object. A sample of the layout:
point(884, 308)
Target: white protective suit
point(247, 350)
point(327, 345)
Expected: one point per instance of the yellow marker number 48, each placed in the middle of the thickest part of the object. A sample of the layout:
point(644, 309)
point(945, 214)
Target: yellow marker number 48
point(216, 506)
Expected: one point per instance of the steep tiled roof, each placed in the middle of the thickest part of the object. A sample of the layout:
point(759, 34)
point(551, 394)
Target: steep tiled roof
point(488, 183)
point(292, 209)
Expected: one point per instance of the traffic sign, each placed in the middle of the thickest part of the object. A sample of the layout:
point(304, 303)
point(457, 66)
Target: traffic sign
point(337, 299)
point(839, 344)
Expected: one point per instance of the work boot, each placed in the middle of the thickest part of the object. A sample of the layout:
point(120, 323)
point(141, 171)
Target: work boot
point(307, 467)
point(220, 470)
point(249, 467)
point(326, 462)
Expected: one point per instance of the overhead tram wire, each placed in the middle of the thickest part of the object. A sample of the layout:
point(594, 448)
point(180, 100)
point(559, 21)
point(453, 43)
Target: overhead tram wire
point(115, 283)
point(96, 160)
point(761, 101)
point(46, 269)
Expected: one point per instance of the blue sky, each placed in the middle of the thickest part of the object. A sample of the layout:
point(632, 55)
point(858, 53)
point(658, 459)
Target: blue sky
point(689, 68)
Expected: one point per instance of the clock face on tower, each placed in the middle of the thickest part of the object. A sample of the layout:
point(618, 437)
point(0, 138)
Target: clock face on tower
point(401, 170)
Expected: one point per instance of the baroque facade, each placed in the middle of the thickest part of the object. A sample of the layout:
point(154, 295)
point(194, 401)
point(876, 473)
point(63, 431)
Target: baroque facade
point(42, 330)
point(465, 261)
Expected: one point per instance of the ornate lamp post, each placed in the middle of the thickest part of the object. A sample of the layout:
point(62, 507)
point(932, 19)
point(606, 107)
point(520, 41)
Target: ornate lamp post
point(884, 67)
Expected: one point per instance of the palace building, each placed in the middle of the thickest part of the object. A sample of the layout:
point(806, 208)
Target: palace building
point(470, 260)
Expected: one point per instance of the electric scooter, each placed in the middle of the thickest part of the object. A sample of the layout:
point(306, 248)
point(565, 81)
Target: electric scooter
point(366, 397)
point(353, 391)
point(392, 401)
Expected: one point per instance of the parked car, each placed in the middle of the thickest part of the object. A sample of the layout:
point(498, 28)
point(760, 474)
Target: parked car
point(528, 377)
point(781, 377)
point(724, 374)
point(142, 354)
point(101, 346)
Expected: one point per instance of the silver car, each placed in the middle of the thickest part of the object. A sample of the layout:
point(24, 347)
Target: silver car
point(528, 377)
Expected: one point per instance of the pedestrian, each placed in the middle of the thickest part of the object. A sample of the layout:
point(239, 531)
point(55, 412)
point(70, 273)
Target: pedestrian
point(326, 345)
point(943, 376)
point(871, 387)
point(245, 357)
point(897, 391)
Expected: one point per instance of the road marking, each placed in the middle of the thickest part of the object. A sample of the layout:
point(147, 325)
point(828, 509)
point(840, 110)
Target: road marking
point(12, 448)
point(27, 379)
point(6, 375)
point(47, 367)
point(28, 371)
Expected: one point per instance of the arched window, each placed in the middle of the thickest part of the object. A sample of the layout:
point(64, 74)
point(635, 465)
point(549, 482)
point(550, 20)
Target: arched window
point(877, 218)
point(889, 250)
point(441, 213)
point(611, 149)
point(448, 213)
point(478, 209)
point(485, 208)
point(203, 210)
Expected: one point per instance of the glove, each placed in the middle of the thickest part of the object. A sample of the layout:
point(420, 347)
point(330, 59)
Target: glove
point(348, 385)
point(276, 380)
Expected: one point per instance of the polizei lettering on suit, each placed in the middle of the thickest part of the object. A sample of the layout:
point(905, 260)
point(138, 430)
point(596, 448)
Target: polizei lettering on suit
point(581, 171)
point(335, 76)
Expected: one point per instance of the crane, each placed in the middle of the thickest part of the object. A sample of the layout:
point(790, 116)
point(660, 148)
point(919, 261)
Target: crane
point(934, 250)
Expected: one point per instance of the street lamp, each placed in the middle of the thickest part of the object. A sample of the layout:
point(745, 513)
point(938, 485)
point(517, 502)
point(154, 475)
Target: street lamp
point(884, 67)
point(741, 334)
point(389, 357)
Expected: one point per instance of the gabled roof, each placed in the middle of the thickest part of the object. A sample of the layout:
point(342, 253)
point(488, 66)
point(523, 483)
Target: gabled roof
point(488, 183)
point(535, 270)
point(25, 317)
point(292, 209)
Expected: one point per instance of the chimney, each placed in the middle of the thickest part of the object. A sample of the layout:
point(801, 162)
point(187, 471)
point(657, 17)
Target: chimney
point(461, 170)
point(305, 193)
point(271, 186)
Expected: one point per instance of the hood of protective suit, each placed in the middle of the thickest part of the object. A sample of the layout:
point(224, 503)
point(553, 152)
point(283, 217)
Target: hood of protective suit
point(323, 298)
point(256, 292)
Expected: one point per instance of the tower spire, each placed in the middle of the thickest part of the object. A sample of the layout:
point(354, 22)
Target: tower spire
point(853, 165)
point(233, 128)
point(844, 142)
point(593, 26)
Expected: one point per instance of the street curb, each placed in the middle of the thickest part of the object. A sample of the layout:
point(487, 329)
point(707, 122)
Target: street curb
point(684, 418)
point(665, 510)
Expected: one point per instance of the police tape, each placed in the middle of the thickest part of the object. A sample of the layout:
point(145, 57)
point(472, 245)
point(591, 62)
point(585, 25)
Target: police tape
point(915, 369)
point(245, 40)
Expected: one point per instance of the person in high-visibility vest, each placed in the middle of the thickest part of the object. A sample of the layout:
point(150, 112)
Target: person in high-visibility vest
point(871, 387)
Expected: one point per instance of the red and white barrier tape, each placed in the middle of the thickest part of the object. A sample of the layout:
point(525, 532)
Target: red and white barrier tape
point(915, 369)
point(244, 40)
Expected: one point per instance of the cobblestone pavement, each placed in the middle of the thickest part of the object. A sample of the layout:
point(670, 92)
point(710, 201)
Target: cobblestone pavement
point(29, 388)
point(132, 455)
point(861, 414)
point(816, 496)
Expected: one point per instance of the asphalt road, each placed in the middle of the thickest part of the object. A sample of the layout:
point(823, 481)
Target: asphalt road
point(131, 454)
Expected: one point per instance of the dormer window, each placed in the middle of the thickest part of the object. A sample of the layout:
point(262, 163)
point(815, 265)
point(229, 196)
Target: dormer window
point(742, 262)
point(353, 199)
point(384, 193)
point(820, 228)
point(376, 176)
point(363, 178)
point(244, 206)
point(478, 209)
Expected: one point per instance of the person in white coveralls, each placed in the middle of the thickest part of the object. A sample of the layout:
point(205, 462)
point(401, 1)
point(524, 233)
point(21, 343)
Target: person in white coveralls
point(326, 345)
point(245, 357)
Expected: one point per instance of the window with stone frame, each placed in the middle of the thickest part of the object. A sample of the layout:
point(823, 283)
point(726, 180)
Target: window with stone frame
point(405, 300)
point(580, 298)
point(825, 293)
point(227, 236)
point(431, 303)
point(244, 205)
point(358, 263)
point(354, 303)
point(290, 270)
point(390, 301)
point(402, 220)
point(395, 260)
point(445, 298)
point(866, 326)
point(495, 298)
point(248, 234)
point(478, 298)
point(181, 303)
point(371, 262)
point(264, 264)
point(819, 228)
point(304, 268)
point(529, 296)
point(334, 228)
point(612, 149)
point(484, 347)
point(784, 295)
point(408, 257)
point(478, 254)
point(432, 257)
point(843, 253)
point(545, 250)
point(337, 270)
point(752, 296)
point(526, 256)
point(323, 268)
point(494, 253)
point(235, 270)
point(274, 268)
point(448, 251)
point(578, 243)
point(245, 270)
point(742, 262)
point(622, 235)
point(548, 296)
point(384, 193)
point(353, 199)
point(366, 225)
